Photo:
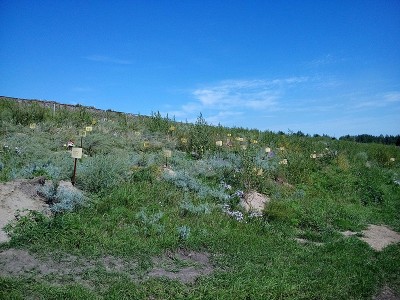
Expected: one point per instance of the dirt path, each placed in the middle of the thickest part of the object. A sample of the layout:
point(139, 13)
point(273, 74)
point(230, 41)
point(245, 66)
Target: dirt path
point(59, 268)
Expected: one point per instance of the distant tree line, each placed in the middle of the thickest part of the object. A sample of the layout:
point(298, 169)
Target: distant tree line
point(367, 138)
point(361, 138)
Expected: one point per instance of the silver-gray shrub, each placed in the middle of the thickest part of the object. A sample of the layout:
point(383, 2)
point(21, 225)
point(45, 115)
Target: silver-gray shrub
point(190, 183)
point(188, 208)
point(67, 200)
point(150, 223)
point(102, 172)
point(61, 199)
point(183, 232)
point(145, 159)
point(266, 162)
point(57, 166)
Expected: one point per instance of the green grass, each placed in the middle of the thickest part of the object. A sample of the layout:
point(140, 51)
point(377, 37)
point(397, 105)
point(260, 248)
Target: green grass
point(133, 212)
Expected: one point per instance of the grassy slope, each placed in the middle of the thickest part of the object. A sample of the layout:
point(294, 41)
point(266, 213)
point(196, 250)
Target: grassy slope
point(134, 211)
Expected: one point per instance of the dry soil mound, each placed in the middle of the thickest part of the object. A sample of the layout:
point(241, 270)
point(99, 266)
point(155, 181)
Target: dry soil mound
point(16, 198)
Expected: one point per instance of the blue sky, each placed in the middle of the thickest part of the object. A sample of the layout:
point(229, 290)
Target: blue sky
point(321, 67)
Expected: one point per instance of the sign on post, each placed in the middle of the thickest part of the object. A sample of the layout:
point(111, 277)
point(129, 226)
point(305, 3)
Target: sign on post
point(88, 128)
point(76, 152)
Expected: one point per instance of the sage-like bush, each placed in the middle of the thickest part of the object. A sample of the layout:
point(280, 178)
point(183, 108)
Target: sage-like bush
point(102, 172)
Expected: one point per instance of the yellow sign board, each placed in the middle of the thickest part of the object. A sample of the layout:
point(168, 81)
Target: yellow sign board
point(88, 128)
point(32, 125)
point(76, 153)
point(218, 143)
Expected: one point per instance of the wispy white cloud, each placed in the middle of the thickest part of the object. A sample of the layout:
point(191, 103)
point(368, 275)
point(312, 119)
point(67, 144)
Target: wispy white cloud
point(295, 103)
point(231, 98)
point(392, 97)
point(378, 100)
point(108, 59)
point(324, 60)
point(253, 94)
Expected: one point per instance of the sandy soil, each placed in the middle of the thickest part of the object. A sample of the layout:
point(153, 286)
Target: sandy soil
point(254, 201)
point(18, 198)
point(377, 236)
point(380, 236)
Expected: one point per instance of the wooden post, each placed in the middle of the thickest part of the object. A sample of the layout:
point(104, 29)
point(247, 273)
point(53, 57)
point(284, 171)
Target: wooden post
point(74, 175)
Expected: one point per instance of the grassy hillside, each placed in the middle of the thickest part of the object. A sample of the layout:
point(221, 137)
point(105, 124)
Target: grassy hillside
point(135, 208)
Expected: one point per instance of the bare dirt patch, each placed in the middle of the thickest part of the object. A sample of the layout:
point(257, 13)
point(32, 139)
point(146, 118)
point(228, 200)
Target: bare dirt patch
point(377, 236)
point(58, 268)
point(185, 266)
point(16, 198)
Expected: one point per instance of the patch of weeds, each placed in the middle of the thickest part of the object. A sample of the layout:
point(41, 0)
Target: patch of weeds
point(25, 227)
point(147, 174)
point(369, 186)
